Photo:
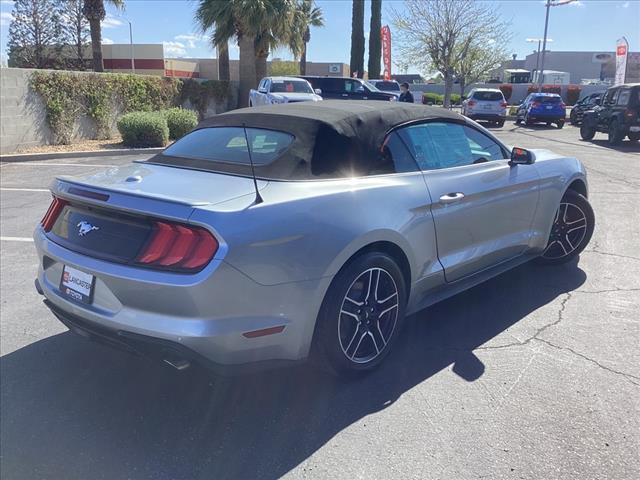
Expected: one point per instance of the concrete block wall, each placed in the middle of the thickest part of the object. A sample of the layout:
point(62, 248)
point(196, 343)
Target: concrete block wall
point(23, 121)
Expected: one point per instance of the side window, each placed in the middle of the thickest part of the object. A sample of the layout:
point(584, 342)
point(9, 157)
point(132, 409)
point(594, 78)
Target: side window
point(609, 98)
point(353, 86)
point(394, 157)
point(444, 145)
point(623, 97)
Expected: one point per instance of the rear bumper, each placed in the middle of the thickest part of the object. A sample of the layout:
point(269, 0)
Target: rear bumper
point(172, 353)
point(494, 117)
point(207, 314)
point(541, 115)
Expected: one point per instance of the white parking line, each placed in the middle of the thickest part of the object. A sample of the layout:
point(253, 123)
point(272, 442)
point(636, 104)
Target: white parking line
point(16, 239)
point(16, 189)
point(28, 164)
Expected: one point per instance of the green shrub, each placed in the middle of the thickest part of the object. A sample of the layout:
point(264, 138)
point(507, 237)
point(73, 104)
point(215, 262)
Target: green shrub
point(201, 93)
point(507, 91)
point(180, 121)
point(143, 129)
point(62, 102)
point(455, 99)
point(552, 89)
point(573, 94)
point(432, 98)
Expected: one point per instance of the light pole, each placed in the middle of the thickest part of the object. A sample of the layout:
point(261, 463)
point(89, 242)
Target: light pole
point(548, 5)
point(539, 40)
point(133, 62)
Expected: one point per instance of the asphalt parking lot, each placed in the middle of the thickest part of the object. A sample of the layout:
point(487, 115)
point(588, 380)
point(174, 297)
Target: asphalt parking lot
point(535, 374)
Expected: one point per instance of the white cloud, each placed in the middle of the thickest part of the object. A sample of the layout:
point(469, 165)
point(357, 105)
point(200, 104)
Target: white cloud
point(174, 49)
point(190, 39)
point(107, 41)
point(111, 22)
point(5, 18)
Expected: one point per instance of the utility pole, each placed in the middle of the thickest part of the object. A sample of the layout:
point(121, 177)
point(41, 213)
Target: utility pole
point(548, 5)
point(539, 41)
point(133, 62)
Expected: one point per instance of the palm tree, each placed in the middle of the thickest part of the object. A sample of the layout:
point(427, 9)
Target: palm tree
point(375, 42)
point(259, 26)
point(95, 12)
point(307, 15)
point(356, 63)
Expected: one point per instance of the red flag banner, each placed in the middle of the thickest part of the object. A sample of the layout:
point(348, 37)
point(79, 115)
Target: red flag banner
point(385, 35)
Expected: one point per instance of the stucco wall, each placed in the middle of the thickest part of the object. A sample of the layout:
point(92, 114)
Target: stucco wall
point(22, 113)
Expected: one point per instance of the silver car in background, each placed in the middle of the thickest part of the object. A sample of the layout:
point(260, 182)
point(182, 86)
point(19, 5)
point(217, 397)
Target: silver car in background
point(272, 232)
point(486, 104)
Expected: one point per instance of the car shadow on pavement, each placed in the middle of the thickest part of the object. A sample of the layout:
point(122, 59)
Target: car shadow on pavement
point(74, 409)
point(625, 146)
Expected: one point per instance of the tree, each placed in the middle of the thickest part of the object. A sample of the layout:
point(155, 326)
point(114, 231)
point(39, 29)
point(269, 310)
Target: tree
point(75, 29)
point(35, 36)
point(283, 68)
point(375, 42)
point(224, 73)
point(439, 34)
point(481, 58)
point(95, 12)
point(356, 63)
point(306, 15)
point(258, 26)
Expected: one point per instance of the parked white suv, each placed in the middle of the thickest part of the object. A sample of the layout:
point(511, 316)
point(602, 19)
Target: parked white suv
point(486, 104)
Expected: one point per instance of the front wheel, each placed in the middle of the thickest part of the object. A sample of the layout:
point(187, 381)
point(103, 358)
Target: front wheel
point(571, 230)
point(361, 314)
point(586, 132)
point(573, 117)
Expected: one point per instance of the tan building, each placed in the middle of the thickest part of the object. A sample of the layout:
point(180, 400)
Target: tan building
point(209, 68)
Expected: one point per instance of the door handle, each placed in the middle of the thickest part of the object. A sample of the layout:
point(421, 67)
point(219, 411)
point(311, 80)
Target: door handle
point(345, 94)
point(451, 197)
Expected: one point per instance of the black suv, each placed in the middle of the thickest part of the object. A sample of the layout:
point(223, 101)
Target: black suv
point(618, 115)
point(582, 105)
point(345, 88)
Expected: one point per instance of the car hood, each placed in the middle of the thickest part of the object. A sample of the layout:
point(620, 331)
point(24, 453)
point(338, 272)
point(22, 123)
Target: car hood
point(172, 184)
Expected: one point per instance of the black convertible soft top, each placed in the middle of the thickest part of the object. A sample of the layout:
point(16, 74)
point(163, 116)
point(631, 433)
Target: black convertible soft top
point(333, 138)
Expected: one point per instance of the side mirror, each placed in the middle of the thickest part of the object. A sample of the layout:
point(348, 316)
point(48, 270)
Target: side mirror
point(520, 156)
point(262, 90)
point(317, 91)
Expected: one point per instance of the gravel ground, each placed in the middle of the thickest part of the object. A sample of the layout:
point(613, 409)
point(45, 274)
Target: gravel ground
point(532, 375)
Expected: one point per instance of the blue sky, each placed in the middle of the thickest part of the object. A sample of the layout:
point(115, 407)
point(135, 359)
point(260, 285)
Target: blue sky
point(582, 25)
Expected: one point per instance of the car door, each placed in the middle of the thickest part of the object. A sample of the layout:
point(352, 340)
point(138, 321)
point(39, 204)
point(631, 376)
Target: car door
point(604, 114)
point(483, 207)
point(354, 90)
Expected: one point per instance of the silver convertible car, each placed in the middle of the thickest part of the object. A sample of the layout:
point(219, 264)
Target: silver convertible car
point(272, 234)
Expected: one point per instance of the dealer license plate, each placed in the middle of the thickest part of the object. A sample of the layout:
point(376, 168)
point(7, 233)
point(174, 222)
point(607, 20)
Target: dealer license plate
point(77, 285)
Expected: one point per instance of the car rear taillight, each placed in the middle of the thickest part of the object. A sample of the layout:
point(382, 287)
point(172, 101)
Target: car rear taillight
point(471, 103)
point(175, 246)
point(562, 105)
point(53, 213)
point(629, 113)
point(504, 104)
point(535, 104)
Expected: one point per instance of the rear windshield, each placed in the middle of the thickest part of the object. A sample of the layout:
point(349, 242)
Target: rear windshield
point(391, 86)
point(229, 145)
point(290, 86)
point(547, 99)
point(488, 96)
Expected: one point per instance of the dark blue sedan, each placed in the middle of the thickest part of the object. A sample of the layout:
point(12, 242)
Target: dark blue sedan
point(542, 107)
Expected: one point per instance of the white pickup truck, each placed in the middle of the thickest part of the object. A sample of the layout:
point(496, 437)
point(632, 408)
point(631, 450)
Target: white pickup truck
point(282, 90)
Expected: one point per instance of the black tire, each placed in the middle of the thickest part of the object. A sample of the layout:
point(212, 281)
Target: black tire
point(568, 237)
point(634, 136)
point(336, 329)
point(548, 124)
point(586, 132)
point(615, 133)
point(518, 121)
point(560, 123)
point(573, 117)
point(527, 121)
point(500, 123)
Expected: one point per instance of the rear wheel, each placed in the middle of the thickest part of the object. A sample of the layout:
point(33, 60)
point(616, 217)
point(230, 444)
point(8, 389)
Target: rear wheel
point(548, 124)
point(500, 123)
point(560, 123)
point(571, 231)
point(615, 133)
point(586, 132)
point(573, 117)
point(518, 121)
point(634, 136)
point(361, 314)
point(527, 120)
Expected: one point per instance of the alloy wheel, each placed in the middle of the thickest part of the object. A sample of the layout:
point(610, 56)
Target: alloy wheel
point(368, 315)
point(568, 231)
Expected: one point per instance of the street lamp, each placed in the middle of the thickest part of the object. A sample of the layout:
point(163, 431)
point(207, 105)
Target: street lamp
point(133, 62)
point(539, 40)
point(548, 5)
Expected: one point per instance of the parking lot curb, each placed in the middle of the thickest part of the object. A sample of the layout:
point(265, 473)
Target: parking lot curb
point(29, 157)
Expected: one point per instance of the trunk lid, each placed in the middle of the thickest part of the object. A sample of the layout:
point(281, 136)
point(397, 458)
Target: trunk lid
point(171, 184)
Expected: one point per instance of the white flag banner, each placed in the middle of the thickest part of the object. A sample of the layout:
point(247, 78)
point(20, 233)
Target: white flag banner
point(622, 52)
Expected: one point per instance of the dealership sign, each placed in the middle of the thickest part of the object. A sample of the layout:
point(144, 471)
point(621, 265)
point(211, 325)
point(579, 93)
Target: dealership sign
point(385, 35)
point(622, 52)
